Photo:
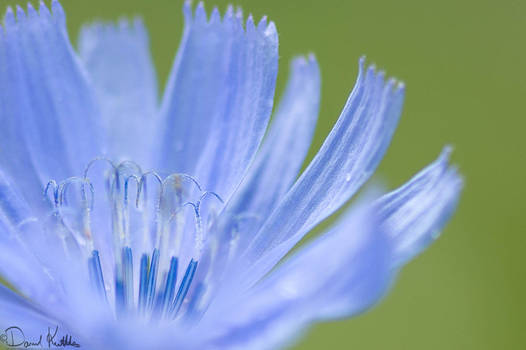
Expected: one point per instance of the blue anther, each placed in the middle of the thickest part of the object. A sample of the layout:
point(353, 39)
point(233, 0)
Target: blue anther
point(143, 282)
point(119, 292)
point(124, 282)
point(152, 280)
point(96, 274)
point(183, 288)
point(128, 277)
point(169, 290)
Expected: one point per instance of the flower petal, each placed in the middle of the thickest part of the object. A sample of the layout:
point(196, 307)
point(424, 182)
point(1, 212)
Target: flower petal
point(21, 314)
point(219, 98)
point(16, 267)
point(47, 107)
point(22, 243)
point(415, 213)
point(283, 150)
point(35, 264)
point(347, 158)
point(13, 207)
point(337, 275)
point(119, 65)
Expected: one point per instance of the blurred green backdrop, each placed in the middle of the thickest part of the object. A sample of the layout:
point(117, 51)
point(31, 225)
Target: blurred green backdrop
point(464, 64)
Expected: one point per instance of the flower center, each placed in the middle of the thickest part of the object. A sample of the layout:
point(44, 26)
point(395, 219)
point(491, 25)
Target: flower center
point(163, 303)
point(159, 220)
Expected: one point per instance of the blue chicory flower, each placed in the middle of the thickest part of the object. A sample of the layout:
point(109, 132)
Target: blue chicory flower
point(110, 256)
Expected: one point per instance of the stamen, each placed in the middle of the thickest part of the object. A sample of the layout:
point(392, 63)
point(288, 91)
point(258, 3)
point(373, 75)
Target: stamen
point(143, 183)
point(96, 275)
point(152, 280)
point(169, 290)
point(72, 219)
point(183, 288)
point(119, 292)
point(126, 186)
point(213, 194)
point(64, 186)
point(198, 229)
point(155, 220)
point(90, 164)
point(128, 277)
point(200, 234)
point(52, 184)
point(124, 283)
point(177, 191)
point(143, 283)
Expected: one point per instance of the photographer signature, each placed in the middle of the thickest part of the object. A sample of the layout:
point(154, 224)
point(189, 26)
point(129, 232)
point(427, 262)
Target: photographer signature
point(14, 337)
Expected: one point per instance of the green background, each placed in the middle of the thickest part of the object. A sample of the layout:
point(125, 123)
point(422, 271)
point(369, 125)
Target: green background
point(464, 64)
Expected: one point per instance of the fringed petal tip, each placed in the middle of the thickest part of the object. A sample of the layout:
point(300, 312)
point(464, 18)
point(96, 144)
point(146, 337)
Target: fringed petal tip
point(9, 17)
point(415, 213)
point(19, 16)
point(443, 162)
point(445, 154)
point(42, 9)
point(198, 16)
point(58, 13)
point(445, 205)
point(362, 133)
point(304, 63)
point(393, 84)
point(123, 28)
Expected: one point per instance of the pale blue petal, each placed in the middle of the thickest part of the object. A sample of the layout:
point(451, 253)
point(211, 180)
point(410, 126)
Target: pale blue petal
point(16, 266)
point(19, 312)
point(337, 275)
point(415, 213)
point(118, 61)
point(34, 251)
point(22, 245)
point(14, 153)
point(56, 111)
point(279, 160)
point(219, 98)
point(48, 108)
point(21, 318)
point(54, 283)
point(347, 158)
point(13, 208)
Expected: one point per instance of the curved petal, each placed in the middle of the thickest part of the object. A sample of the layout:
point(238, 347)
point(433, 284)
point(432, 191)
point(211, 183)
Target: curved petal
point(219, 98)
point(283, 150)
point(47, 107)
point(337, 275)
point(279, 160)
point(415, 213)
point(119, 65)
point(347, 158)
point(347, 269)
